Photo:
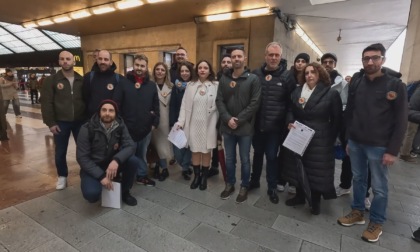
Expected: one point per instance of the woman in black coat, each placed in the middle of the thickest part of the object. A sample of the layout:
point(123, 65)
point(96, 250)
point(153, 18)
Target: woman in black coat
point(319, 107)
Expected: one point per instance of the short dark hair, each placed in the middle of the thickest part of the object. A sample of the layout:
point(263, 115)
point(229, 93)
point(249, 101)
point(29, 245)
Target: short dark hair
point(189, 66)
point(212, 75)
point(141, 57)
point(180, 47)
point(224, 56)
point(237, 48)
point(375, 47)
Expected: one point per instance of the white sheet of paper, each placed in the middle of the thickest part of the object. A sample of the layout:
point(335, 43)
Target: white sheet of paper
point(112, 198)
point(298, 138)
point(177, 137)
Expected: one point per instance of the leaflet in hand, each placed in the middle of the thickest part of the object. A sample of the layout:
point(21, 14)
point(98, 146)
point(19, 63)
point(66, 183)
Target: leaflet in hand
point(112, 198)
point(177, 137)
point(299, 138)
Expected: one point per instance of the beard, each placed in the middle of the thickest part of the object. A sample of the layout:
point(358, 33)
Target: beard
point(107, 119)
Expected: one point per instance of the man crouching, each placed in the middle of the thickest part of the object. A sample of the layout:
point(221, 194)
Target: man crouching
point(105, 150)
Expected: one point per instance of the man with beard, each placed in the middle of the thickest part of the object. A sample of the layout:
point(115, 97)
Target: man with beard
point(139, 104)
point(276, 87)
point(225, 65)
point(63, 110)
point(181, 55)
point(376, 118)
point(104, 150)
point(238, 98)
point(8, 86)
point(99, 84)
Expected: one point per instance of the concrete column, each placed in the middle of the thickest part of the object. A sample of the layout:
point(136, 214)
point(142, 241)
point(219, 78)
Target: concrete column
point(411, 53)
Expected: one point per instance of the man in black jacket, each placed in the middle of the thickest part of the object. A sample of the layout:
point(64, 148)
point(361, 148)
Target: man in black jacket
point(276, 88)
point(376, 118)
point(104, 149)
point(139, 104)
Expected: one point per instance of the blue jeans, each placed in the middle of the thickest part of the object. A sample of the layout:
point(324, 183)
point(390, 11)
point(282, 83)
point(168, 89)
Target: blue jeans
point(15, 104)
point(92, 187)
point(62, 142)
point(141, 152)
point(361, 155)
point(183, 157)
point(244, 142)
point(268, 144)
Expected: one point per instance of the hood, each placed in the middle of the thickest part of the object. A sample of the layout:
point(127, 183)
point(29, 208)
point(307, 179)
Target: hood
point(96, 69)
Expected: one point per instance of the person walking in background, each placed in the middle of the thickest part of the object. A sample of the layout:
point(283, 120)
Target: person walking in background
point(319, 107)
point(183, 156)
point(33, 87)
point(9, 86)
point(198, 117)
point(160, 135)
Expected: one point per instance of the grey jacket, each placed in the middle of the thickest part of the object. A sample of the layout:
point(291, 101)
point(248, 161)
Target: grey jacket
point(238, 98)
point(96, 148)
point(342, 87)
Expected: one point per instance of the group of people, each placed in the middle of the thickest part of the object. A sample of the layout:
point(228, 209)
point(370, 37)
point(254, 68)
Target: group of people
point(114, 118)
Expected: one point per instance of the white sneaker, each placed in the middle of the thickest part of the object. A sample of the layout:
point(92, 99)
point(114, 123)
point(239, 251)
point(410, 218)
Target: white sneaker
point(280, 188)
point(367, 204)
point(61, 183)
point(341, 191)
point(292, 189)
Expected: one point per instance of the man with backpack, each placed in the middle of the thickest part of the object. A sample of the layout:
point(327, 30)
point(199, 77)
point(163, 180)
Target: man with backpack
point(104, 150)
point(63, 110)
point(376, 120)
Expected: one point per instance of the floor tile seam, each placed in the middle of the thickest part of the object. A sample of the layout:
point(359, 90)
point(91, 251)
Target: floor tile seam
point(265, 210)
point(156, 203)
point(109, 231)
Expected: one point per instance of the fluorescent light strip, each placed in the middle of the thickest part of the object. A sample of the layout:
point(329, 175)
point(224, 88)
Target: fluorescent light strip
point(102, 9)
point(125, 4)
point(301, 33)
point(29, 25)
point(254, 12)
point(218, 17)
point(155, 1)
point(61, 19)
point(80, 14)
point(44, 22)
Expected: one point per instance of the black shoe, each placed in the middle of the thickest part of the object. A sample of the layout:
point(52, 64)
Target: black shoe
point(156, 172)
point(186, 175)
point(416, 235)
point(190, 171)
point(316, 207)
point(128, 199)
point(145, 181)
point(203, 180)
point(273, 196)
point(253, 185)
point(214, 170)
point(172, 161)
point(163, 175)
point(197, 177)
point(295, 201)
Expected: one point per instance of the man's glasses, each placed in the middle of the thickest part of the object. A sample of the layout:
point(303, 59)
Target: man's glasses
point(374, 58)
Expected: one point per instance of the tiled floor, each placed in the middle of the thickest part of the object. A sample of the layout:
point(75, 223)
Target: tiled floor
point(170, 216)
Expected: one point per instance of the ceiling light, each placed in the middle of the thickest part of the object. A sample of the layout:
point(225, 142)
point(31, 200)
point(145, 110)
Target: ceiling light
point(315, 2)
point(80, 14)
point(125, 4)
point(301, 33)
point(103, 9)
point(44, 22)
point(29, 25)
point(61, 18)
point(218, 17)
point(155, 1)
point(254, 12)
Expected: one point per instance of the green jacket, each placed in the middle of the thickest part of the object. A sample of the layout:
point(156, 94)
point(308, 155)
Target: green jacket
point(59, 102)
point(238, 98)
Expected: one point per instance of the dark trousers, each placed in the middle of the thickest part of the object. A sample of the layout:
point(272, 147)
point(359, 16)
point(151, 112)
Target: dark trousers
point(268, 144)
point(3, 123)
point(62, 142)
point(346, 176)
point(34, 92)
point(215, 158)
point(92, 187)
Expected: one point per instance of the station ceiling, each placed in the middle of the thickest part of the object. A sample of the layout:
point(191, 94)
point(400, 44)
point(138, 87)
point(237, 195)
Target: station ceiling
point(361, 22)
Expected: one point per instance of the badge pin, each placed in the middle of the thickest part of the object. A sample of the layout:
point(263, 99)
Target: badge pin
point(110, 86)
point(202, 92)
point(268, 77)
point(232, 84)
point(164, 94)
point(137, 85)
point(391, 95)
point(179, 84)
point(60, 86)
point(301, 100)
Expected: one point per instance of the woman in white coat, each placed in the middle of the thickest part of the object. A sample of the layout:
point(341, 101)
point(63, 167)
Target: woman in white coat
point(198, 117)
point(160, 135)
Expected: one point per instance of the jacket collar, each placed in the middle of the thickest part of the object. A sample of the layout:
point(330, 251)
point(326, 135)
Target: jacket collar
point(60, 76)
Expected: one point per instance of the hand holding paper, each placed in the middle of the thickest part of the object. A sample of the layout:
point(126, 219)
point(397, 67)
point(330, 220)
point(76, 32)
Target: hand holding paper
point(177, 137)
point(299, 138)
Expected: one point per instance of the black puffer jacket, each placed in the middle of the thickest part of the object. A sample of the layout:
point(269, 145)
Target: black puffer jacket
point(323, 113)
point(100, 88)
point(95, 150)
point(139, 106)
point(276, 88)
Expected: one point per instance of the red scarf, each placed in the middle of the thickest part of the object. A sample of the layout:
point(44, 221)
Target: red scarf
point(139, 79)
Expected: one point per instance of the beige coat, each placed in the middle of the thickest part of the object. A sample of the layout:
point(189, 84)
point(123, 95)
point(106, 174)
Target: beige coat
point(160, 135)
point(212, 113)
point(8, 89)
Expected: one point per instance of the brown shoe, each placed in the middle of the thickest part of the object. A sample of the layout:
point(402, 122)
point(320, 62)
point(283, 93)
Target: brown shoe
point(372, 232)
point(229, 189)
point(408, 158)
point(353, 218)
point(242, 196)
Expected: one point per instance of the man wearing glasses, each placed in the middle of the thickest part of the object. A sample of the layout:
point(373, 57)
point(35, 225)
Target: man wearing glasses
point(376, 118)
point(180, 56)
